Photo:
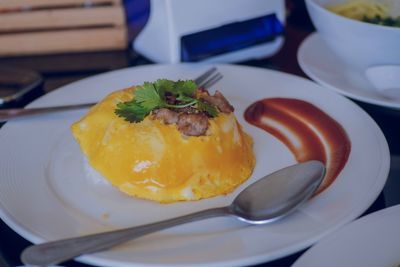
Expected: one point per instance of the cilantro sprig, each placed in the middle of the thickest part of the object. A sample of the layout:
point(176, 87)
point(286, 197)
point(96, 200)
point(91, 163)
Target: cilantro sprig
point(150, 96)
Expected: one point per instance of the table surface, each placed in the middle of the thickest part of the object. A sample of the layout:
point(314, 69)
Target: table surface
point(62, 69)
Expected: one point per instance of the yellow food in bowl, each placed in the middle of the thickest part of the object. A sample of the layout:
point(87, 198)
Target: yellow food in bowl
point(367, 11)
point(154, 160)
point(360, 9)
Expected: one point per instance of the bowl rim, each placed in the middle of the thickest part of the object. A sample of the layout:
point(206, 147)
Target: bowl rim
point(349, 20)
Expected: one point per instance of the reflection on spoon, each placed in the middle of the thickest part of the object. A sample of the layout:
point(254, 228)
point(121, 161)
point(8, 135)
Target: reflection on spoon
point(267, 200)
point(385, 79)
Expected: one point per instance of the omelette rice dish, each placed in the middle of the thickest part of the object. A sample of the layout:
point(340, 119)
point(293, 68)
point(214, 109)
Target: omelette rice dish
point(166, 141)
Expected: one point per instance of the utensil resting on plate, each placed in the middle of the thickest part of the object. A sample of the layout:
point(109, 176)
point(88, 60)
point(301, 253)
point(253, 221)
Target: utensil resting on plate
point(206, 80)
point(386, 80)
point(267, 200)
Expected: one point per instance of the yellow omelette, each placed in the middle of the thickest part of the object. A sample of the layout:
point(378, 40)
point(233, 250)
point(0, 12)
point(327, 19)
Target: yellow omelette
point(153, 160)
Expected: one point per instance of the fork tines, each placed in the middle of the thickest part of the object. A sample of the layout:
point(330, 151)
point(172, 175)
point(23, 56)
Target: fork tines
point(209, 78)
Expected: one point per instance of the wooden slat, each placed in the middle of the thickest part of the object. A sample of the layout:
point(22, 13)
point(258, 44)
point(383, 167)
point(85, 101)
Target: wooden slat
point(62, 18)
point(12, 4)
point(63, 41)
point(72, 63)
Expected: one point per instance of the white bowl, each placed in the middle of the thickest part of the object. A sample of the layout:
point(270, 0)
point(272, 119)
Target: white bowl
point(358, 43)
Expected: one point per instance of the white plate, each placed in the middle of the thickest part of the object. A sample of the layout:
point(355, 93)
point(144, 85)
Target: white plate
point(45, 194)
point(319, 62)
point(373, 240)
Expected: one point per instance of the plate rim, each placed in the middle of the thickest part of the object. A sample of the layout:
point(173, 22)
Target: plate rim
point(339, 233)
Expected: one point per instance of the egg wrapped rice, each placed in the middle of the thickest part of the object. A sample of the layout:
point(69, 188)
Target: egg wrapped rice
point(154, 160)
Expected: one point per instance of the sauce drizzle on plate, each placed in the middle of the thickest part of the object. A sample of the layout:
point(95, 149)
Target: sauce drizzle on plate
point(308, 132)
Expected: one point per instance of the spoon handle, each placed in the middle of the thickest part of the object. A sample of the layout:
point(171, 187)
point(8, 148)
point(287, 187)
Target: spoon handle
point(58, 251)
point(13, 113)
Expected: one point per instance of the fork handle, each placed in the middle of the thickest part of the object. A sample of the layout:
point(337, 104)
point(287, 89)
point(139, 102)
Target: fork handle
point(58, 251)
point(13, 113)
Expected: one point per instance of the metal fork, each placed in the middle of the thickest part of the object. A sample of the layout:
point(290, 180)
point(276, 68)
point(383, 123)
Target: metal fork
point(207, 79)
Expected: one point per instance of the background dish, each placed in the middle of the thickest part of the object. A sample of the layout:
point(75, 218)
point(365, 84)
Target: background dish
point(64, 201)
point(319, 62)
point(373, 240)
point(351, 40)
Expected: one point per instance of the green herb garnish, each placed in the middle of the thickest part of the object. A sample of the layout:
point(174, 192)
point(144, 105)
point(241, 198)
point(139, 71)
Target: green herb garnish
point(385, 21)
point(150, 96)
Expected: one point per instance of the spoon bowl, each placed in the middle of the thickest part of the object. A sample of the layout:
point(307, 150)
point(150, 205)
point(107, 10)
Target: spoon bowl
point(385, 79)
point(279, 193)
point(269, 199)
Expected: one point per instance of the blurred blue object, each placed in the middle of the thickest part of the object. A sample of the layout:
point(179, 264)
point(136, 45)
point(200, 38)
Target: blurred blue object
point(137, 14)
point(230, 37)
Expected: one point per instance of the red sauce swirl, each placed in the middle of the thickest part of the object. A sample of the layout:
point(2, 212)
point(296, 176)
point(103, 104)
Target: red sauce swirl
point(308, 132)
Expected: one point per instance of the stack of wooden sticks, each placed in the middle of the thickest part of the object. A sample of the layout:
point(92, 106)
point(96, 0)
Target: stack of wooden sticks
point(57, 26)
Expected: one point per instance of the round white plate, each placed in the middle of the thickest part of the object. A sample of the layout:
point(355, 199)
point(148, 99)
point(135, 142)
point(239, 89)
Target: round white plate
point(373, 240)
point(45, 193)
point(319, 62)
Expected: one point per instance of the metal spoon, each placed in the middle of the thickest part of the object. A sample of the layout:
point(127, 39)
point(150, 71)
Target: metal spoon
point(264, 201)
point(385, 79)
